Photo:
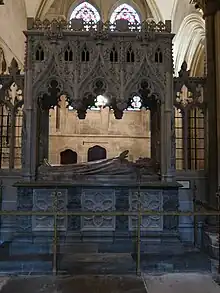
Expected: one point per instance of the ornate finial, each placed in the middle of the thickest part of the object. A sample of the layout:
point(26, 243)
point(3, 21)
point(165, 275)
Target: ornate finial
point(3, 65)
point(183, 71)
point(13, 69)
point(184, 66)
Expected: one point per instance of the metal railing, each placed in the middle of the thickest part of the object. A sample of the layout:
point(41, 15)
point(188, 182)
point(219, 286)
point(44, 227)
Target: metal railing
point(55, 213)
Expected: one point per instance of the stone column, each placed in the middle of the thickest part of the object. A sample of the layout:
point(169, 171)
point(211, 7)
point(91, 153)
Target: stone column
point(43, 136)
point(30, 120)
point(217, 67)
point(211, 97)
point(166, 129)
point(155, 133)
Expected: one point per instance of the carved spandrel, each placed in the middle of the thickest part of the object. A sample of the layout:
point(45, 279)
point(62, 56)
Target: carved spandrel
point(146, 200)
point(98, 200)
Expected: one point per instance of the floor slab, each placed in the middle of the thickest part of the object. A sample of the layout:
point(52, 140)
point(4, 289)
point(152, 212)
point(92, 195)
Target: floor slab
point(77, 284)
point(181, 283)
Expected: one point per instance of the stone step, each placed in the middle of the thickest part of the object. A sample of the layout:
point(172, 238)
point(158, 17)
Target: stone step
point(97, 263)
point(165, 247)
point(73, 248)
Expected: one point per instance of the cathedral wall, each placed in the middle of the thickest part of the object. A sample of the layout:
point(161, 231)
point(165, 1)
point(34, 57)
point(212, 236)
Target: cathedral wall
point(101, 128)
point(13, 23)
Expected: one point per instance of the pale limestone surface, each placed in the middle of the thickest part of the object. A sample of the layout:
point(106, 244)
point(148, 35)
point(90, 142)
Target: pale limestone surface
point(3, 281)
point(181, 283)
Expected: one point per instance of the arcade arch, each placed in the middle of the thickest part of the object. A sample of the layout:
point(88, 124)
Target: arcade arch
point(189, 36)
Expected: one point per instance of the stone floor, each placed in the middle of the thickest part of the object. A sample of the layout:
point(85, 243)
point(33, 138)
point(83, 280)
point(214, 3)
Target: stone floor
point(167, 283)
point(79, 284)
point(181, 283)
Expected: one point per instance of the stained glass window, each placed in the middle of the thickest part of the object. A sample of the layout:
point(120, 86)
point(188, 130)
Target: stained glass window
point(136, 103)
point(127, 12)
point(100, 101)
point(86, 11)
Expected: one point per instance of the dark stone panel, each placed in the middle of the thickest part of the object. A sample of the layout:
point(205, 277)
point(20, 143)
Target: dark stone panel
point(74, 204)
point(122, 204)
point(170, 203)
point(24, 203)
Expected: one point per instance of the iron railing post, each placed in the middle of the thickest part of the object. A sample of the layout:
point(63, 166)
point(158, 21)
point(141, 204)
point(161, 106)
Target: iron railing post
point(55, 202)
point(195, 217)
point(218, 200)
point(138, 267)
point(1, 197)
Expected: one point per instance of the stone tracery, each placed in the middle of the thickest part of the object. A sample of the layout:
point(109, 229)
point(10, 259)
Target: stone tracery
point(86, 12)
point(126, 12)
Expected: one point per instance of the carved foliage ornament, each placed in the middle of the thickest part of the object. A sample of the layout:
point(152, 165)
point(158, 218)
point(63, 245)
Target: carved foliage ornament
point(49, 200)
point(98, 201)
point(146, 200)
point(55, 28)
point(11, 88)
point(188, 91)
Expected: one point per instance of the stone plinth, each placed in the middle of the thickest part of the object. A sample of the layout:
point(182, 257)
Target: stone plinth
point(98, 198)
point(96, 233)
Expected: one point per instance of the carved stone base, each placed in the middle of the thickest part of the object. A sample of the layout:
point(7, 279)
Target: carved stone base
point(104, 233)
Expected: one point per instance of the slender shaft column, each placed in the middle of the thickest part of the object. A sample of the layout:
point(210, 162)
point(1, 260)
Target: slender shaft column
point(217, 66)
point(155, 133)
point(166, 129)
point(29, 122)
point(210, 93)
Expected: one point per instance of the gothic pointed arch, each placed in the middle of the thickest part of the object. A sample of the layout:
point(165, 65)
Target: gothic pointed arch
point(49, 80)
point(85, 11)
point(97, 74)
point(68, 157)
point(96, 153)
point(190, 35)
point(146, 80)
point(125, 11)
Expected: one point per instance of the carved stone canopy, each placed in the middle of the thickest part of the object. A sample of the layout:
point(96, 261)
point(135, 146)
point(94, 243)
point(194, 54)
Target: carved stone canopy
point(82, 61)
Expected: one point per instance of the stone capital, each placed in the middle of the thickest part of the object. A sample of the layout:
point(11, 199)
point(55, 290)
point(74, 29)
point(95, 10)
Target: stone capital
point(209, 7)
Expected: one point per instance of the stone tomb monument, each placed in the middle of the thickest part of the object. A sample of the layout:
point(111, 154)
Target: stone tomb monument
point(77, 61)
point(102, 186)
